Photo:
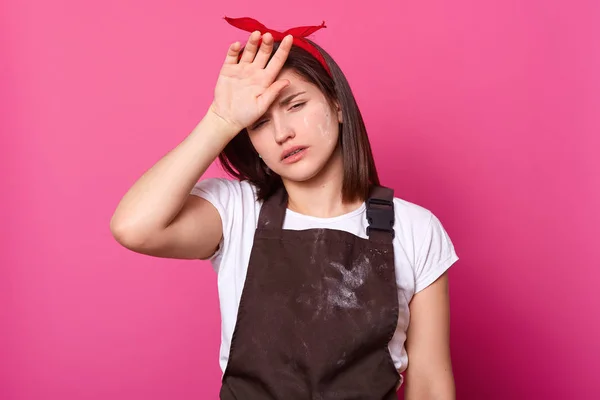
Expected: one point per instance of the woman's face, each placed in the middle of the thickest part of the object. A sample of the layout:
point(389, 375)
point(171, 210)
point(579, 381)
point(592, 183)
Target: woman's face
point(298, 134)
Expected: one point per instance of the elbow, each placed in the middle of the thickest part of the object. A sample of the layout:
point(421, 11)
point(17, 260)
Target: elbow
point(127, 235)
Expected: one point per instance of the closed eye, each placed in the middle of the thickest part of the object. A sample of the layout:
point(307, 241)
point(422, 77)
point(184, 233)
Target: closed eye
point(296, 106)
point(259, 124)
point(264, 121)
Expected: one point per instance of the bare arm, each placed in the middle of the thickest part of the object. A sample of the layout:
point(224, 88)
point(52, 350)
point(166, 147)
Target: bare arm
point(429, 375)
point(158, 216)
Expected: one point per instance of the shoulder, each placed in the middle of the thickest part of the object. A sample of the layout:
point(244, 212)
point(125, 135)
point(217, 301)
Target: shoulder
point(234, 200)
point(424, 241)
point(224, 187)
point(411, 217)
point(417, 224)
point(238, 208)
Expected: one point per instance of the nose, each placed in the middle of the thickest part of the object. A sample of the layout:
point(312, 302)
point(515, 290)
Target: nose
point(283, 130)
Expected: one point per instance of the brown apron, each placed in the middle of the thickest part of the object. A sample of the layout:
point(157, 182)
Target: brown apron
point(318, 309)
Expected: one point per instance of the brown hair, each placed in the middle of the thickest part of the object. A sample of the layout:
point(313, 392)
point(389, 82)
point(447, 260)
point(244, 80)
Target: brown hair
point(241, 161)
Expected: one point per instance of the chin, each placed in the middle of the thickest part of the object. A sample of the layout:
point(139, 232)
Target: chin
point(298, 177)
point(300, 173)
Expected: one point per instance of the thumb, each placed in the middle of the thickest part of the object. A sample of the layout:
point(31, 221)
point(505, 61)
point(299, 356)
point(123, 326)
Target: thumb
point(269, 95)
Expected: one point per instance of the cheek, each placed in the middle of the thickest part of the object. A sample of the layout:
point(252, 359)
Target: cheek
point(258, 142)
point(319, 121)
point(265, 146)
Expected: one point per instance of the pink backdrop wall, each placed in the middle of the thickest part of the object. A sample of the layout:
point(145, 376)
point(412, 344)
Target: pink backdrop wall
point(486, 112)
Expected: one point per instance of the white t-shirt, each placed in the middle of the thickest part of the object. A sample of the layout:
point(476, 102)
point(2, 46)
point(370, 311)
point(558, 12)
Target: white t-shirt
point(422, 250)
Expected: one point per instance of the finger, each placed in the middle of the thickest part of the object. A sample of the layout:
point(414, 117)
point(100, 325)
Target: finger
point(280, 56)
point(233, 53)
point(251, 46)
point(265, 50)
point(269, 95)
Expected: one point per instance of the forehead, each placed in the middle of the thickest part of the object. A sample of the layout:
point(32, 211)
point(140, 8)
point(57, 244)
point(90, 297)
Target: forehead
point(297, 82)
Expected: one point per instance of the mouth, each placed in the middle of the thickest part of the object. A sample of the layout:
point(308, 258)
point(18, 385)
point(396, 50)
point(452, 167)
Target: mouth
point(293, 154)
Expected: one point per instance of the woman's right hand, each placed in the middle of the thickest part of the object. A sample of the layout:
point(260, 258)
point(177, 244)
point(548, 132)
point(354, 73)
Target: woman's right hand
point(245, 89)
point(158, 215)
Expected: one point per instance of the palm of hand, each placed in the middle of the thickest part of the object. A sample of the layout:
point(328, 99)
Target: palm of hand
point(239, 88)
point(246, 87)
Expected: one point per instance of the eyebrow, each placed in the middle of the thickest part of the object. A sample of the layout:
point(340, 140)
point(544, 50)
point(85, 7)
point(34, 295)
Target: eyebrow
point(289, 98)
point(283, 102)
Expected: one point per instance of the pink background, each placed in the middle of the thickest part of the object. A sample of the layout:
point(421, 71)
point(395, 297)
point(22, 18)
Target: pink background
point(485, 112)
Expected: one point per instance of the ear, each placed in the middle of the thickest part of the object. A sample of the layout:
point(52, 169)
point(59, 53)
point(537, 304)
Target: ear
point(339, 112)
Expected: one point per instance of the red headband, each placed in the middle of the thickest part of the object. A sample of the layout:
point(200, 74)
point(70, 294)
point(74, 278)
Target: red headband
point(299, 33)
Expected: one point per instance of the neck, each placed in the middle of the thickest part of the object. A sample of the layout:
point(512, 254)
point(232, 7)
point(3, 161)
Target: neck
point(321, 196)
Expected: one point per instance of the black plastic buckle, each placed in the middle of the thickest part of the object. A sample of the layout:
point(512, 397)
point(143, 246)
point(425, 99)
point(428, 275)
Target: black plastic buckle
point(380, 215)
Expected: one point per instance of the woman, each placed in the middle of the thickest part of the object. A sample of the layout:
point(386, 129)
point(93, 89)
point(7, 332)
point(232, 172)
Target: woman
point(319, 267)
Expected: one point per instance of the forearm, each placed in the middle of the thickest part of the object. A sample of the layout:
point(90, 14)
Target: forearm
point(436, 386)
point(158, 195)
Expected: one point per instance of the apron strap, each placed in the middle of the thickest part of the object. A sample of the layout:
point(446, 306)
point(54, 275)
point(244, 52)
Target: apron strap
point(273, 210)
point(380, 214)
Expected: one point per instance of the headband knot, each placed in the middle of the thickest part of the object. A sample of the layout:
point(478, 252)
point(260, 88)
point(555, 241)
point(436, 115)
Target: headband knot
point(299, 34)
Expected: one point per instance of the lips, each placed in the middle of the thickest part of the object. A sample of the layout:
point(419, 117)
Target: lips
point(291, 151)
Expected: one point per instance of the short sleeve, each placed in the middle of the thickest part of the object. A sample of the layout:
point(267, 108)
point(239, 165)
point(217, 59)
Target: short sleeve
point(217, 191)
point(435, 255)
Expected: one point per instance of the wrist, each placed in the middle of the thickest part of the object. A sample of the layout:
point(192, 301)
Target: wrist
point(212, 133)
point(220, 124)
